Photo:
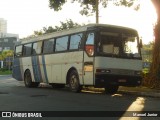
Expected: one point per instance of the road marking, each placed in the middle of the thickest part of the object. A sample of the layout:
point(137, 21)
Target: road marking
point(137, 105)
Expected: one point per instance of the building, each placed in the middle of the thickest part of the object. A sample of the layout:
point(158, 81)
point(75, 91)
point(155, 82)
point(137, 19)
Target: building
point(3, 25)
point(7, 43)
point(7, 40)
point(2, 35)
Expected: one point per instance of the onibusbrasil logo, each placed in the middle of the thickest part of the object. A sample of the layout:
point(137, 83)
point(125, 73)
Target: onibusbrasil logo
point(21, 114)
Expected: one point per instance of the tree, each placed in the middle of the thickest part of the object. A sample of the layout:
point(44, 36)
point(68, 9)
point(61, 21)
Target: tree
point(64, 25)
point(147, 52)
point(8, 54)
point(5, 54)
point(90, 5)
point(153, 79)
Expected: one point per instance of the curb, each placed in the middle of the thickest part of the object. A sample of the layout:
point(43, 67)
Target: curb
point(146, 94)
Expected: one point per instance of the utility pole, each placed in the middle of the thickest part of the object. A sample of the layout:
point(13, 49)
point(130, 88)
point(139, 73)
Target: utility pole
point(97, 11)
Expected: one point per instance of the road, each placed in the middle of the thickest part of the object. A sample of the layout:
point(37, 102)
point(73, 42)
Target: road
point(14, 96)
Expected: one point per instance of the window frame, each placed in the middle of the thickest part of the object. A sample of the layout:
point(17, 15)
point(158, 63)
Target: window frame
point(94, 41)
point(53, 51)
point(24, 50)
point(33, 48)
point(81, 41)
point(15, 53)
point(66, 46)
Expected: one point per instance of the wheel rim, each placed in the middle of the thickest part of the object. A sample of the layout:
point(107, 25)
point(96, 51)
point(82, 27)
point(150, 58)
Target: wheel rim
point(27, 78)
point(73, 82)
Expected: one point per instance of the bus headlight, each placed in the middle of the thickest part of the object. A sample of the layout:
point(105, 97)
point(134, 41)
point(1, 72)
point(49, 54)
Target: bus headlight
point(102, 71)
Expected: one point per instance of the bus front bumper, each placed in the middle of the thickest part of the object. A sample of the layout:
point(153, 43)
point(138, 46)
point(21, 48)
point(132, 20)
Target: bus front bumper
point(101, 80)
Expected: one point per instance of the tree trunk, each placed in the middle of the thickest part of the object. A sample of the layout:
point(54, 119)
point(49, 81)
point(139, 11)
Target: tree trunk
point(153, 79)
point(97, 11)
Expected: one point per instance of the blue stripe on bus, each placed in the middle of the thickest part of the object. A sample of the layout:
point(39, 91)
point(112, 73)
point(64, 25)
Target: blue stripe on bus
point(36, 68)
point(44, 68)
point(16, 72)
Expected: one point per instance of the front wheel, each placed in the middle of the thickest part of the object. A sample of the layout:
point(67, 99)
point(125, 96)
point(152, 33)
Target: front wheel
point(74, 84)
point(110, 89)
point(28, 80)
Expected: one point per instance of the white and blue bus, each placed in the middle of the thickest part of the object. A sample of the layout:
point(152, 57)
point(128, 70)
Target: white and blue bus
point(103, 56)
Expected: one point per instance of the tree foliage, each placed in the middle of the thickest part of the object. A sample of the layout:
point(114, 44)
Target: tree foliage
point(89, 6)
point(5, 54)
point(56, 4)
point(63, 26)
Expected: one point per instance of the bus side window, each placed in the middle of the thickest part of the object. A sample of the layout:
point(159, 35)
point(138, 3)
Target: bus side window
point(27, 49)
point(61, 43)
point(37, 48)
point(48, 46)
point(89, 47)
point(75, 41)
point(18, 51)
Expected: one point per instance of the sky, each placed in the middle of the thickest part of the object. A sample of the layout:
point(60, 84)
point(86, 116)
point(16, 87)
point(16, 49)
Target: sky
point(26, 16)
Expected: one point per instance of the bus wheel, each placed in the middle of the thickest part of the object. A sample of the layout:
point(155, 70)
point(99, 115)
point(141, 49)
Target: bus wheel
point(74, 84)
point(28, 80)
point(110, 89)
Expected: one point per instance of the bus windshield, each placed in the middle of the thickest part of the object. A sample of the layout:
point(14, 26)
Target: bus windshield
point(118, 45)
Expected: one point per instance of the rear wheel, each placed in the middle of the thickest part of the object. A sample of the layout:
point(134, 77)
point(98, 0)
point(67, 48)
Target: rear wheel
point(28, 80)
point(110, 89)
point(74, 84)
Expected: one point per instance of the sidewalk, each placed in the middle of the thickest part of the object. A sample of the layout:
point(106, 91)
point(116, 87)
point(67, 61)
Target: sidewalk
point(143, 91)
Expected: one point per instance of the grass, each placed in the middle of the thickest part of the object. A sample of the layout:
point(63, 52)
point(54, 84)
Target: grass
point(6, 72)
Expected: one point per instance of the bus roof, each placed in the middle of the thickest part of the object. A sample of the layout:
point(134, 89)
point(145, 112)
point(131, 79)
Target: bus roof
point(74, 30)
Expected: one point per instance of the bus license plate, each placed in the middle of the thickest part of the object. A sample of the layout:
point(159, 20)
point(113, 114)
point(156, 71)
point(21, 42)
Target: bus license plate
point(121, 80)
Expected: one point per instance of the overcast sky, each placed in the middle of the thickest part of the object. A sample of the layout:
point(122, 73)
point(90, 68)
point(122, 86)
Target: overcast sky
point(25, 16)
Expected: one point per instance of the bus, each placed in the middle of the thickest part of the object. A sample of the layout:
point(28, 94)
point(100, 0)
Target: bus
point(98, 55)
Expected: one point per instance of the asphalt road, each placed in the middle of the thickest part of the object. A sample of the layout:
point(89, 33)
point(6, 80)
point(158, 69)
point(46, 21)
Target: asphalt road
point(14, 96)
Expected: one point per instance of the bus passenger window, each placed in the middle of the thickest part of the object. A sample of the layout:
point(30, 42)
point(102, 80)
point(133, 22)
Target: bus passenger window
point(75, 41)
point(27, 49)
point(18, 51)
point(48, 46)
point(90, 44)
point(37, 48)
point(61, 43)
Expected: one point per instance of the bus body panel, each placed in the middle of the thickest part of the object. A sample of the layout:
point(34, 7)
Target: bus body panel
point(57, 66)
point(118, 63)
point(88, 70)
point(27, 65)
point(17, 72)
point(123, 72)
point(49, 68)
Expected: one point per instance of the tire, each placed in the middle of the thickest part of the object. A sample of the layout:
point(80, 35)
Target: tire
point(111, 89)
point(74, 84)
point(28, 80)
